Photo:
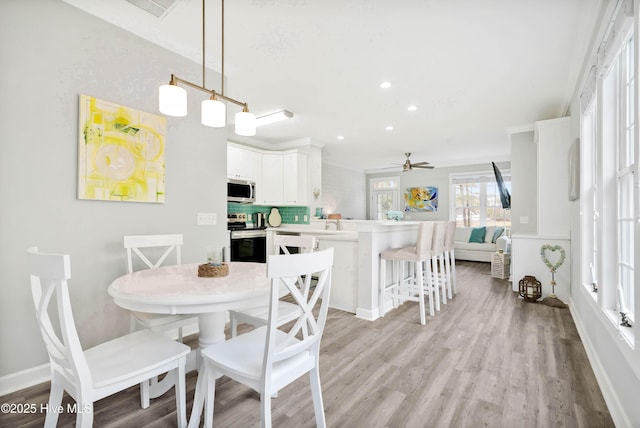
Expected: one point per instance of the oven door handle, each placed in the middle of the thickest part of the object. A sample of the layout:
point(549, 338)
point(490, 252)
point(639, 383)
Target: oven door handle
point(242, 234)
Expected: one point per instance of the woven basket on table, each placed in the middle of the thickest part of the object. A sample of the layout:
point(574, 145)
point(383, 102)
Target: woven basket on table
point(208, 270)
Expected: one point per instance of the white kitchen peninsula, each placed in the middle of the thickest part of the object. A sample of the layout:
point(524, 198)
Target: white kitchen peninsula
point(357, 259)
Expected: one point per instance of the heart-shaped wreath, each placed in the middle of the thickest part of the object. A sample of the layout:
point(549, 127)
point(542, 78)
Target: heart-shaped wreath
point(552, 248)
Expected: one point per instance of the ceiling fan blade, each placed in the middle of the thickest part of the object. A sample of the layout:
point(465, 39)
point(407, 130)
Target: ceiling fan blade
point(422, 166)
point(420, 163)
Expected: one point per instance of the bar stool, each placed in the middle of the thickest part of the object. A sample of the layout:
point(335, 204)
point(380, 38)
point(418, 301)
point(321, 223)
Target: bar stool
point(436, 260)
point(450, 259)
point(406, 287)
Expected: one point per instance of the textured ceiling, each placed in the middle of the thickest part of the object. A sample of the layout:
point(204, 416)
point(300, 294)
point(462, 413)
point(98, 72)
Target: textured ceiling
point(474, 69)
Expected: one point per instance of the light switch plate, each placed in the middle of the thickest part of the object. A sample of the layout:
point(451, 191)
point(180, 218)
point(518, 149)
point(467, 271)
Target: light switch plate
point(207, 219)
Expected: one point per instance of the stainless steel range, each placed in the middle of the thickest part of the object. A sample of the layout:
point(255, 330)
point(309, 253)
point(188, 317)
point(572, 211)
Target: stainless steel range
point(248, 244)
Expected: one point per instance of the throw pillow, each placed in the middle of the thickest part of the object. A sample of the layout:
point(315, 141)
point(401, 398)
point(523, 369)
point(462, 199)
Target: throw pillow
point(488, 234)
point(477, 234)
point(497, 234)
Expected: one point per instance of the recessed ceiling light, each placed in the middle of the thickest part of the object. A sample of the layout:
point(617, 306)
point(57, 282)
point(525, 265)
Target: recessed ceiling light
point(389, 128)
point(385, 85)
point(340, 137)
point(412, 108)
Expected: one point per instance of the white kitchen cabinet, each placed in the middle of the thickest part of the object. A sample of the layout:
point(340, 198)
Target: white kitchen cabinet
point(284, 179)
point(271, 183)
point(294, 175)
point(242, 164)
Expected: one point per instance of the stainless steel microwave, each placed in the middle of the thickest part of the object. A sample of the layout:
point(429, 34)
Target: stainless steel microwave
point(241, 191)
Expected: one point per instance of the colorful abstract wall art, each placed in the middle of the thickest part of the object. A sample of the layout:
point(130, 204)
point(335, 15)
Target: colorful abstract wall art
point(121, 153)
point(421, 199)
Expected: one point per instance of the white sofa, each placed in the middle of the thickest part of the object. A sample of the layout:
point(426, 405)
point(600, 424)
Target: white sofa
point(476, 251)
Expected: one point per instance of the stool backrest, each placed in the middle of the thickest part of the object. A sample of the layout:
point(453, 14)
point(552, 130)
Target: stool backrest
point(439, 235)
point(450, 235)
point(425, 236)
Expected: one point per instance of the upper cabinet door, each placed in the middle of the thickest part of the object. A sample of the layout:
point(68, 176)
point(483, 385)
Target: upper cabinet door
point(271, 184)
point(242, 164)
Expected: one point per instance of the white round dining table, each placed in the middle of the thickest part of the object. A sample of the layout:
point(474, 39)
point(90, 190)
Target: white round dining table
point(179, 290)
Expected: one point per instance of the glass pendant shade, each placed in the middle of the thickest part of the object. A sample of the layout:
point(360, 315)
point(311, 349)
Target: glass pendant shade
point(172, 100)
point(245, 124)
point(214, 113)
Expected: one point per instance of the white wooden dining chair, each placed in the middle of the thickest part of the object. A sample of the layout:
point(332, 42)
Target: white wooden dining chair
point(158, 248)
point(269, 358)
point(287, 311)
point(105, 369)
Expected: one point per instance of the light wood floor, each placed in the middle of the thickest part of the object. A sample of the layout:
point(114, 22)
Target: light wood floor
point(487, 359)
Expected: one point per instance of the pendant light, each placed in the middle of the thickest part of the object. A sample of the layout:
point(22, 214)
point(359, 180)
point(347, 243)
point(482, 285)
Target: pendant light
point(173, 99)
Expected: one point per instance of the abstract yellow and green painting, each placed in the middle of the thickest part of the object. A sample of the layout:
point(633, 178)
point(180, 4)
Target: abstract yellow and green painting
point(121, 153)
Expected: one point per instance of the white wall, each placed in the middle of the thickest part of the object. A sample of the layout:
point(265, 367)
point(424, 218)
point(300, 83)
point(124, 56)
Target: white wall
point(343, 191)
point(524, 184)
point(50, 53)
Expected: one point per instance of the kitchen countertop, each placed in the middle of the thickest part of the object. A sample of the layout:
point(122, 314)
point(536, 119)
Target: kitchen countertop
point(349, 228)
point(307, 229)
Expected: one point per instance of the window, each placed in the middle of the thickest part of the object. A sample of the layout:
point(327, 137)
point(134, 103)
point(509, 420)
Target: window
point(385, 197)
point(609, 167)
point(477, 200)
point(589, 184)
point(625, 172)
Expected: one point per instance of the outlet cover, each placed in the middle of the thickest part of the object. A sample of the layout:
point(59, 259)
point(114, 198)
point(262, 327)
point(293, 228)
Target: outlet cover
point(207, 219)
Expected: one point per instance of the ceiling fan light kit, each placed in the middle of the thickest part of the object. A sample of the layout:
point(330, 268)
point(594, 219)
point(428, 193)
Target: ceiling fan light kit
point(172, 99)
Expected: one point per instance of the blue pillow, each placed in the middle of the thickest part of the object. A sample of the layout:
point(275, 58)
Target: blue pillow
point(497, 234)
point(477, 234)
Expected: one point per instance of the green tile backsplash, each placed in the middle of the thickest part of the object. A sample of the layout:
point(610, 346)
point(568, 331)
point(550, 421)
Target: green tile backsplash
point(288, 213)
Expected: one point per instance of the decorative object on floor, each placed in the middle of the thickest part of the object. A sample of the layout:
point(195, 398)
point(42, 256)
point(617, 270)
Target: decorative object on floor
point(173, 99)
point(421, 199)
point(275, 219)
point(121, 154)
point(530, 289)
point(553, 300)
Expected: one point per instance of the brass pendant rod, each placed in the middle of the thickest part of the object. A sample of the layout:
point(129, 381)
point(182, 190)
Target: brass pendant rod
point(222, 64)
point(204, 58)
point(175, 79)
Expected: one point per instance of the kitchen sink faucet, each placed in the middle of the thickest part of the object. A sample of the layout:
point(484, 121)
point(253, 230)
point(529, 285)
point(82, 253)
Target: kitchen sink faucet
point(335, 222)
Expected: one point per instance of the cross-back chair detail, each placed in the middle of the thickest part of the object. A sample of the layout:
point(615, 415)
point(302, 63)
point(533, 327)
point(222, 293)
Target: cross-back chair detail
point(134, 243)
point(287, 311)
point(92, 374)
point(275, 355)
point(167, 244)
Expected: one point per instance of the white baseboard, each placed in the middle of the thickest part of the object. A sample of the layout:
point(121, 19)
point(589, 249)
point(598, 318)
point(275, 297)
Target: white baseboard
point(24, 379)
point(366, 314)
point(619, 416)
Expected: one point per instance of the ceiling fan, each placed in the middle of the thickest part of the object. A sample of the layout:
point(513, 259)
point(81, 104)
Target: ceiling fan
point(407, 165)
